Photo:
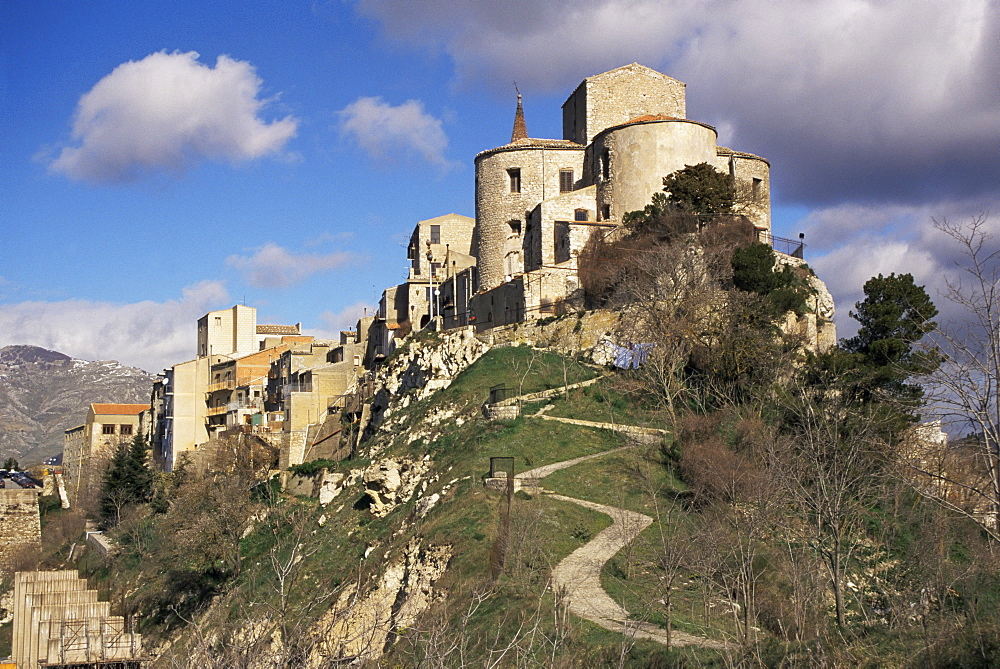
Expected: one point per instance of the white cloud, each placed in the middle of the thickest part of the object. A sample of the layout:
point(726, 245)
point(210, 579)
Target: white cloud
point(851, 100)
point(334, 322)
point(150, 335)
point(273, 266)
point(385, 132)
point(166, 112)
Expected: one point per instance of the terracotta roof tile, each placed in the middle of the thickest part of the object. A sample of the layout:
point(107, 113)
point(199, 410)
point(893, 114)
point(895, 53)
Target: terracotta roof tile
point(119, 409)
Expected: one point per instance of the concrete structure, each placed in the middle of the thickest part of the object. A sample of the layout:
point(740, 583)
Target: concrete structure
point(307, 386)
point(538, 201)
point(87, 446)
point(58, 622)
point(193, 401)
point(439, 249)
point(20, 525)
point(235, 332)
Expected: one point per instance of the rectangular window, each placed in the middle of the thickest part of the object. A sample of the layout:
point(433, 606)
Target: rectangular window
point(606, 163)
point(581, 215)
point(755, 189)
point(515, 179)
point(107, 429)
point(125, 429)
point(565, 181)
point(606, 211)
point(435, 266)
point(515, 226)
point(435, 234)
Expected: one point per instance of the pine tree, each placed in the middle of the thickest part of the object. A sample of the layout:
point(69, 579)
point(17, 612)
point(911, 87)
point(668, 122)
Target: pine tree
point(127, 480)
point(700, 189)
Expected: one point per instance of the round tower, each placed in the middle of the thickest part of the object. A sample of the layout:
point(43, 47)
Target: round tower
point(628, 162)
point(511, 180)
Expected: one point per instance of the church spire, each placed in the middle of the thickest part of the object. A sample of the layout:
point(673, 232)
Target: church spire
point(520, 129)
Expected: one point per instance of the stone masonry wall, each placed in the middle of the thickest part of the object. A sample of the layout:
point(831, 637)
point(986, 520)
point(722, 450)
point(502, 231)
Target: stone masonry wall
point(498, 247)
point(20, 524)
point(754, 202)
point(618, 96)
point(642, 154)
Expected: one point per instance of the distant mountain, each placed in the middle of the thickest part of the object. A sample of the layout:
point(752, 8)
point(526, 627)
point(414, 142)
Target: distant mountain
point(43, 393)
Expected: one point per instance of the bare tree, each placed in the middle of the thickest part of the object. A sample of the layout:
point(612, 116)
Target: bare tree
point(967, 385)
point(831, 471)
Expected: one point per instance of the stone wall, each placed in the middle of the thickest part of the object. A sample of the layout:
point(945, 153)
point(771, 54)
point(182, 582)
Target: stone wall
point(640, 155)
point(618, 96)
point(498, 244)
point(752, 175)
point(20, 524)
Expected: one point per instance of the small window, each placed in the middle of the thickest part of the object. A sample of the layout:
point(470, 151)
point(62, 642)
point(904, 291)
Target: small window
point(606, 211)
point(515, 227)
point(565, 181)
point(606, 163)
point(125, 430)
point(411, 252)
point(581, 215)
point(435, 266)
point(218, 320)
point(107, 429)
point(515, 179)
point(755, 189)
point(435, 234)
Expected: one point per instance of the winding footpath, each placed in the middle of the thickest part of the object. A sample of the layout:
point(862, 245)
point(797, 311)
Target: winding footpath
point(579, 573)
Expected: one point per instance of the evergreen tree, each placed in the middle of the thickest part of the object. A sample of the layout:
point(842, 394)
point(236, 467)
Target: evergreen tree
point(127, 480)
point(895, 314)
point(754, 272)
point(700, 189)
point(10, 464)
point(873, 369)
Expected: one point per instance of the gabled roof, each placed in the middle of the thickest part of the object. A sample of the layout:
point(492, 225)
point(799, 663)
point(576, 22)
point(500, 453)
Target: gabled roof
point(118, 409)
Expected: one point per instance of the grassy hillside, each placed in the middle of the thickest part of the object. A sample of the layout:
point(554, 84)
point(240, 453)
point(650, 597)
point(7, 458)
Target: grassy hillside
point(235, 569)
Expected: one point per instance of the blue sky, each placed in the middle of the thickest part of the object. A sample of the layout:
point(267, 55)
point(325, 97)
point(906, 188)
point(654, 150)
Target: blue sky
point(162, 159)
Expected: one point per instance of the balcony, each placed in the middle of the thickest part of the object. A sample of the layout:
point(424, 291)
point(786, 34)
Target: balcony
point(234, 406)
point(222, 385)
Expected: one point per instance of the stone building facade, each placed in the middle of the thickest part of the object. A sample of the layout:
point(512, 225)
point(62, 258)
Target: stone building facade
point(87, 447)
point(538, 201)
point(20, 525)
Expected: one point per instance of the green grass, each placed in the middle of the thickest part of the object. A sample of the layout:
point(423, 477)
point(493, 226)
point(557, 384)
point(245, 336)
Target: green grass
point(521, 369)
point(606, 402)
point(622, 479)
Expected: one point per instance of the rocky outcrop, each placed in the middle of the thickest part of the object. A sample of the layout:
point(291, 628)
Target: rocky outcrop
point(325, 485)
point(392, 482)
point(363, 625)
point(426, 366)
point(815, 327)
point(419, 368)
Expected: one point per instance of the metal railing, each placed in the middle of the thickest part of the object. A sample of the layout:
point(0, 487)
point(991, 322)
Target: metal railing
point(790, 247)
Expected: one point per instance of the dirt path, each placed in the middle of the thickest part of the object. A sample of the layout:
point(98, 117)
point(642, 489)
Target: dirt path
point(579, 573)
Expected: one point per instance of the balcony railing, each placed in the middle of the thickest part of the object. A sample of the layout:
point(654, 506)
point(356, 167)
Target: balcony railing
point(222, 385)
point(790, 247)
point(233, 406)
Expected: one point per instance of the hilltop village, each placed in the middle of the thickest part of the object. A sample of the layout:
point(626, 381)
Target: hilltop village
point(538, 203)
point(584, 418)
point(605, 422)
